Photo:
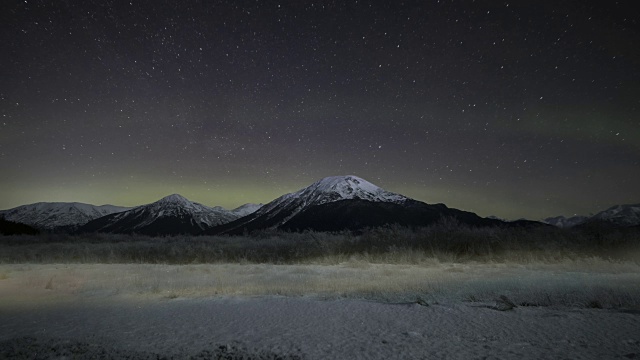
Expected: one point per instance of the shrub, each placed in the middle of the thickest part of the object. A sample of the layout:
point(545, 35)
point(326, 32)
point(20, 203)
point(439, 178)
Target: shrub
point(445, 241)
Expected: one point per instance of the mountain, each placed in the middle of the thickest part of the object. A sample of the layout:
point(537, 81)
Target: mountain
point(331, 204)
point(246, 209)
point(347, 203)
point(170, 215)
point(564, 222)
point(619, 215)
point(52, 215)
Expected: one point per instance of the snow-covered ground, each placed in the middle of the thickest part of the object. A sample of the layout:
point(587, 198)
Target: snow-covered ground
point(346, 311)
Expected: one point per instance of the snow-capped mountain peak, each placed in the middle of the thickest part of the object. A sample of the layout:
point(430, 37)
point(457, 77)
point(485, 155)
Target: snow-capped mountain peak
point(174, 200)
point(346, 202)
point(178, 205)
point(327, 190)
point(173, 214)
point(334, 188)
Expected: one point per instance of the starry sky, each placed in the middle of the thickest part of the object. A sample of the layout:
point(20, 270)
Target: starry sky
point(508, 108)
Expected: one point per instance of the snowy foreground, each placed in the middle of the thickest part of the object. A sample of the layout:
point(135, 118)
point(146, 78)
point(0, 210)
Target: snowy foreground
point(67, 311)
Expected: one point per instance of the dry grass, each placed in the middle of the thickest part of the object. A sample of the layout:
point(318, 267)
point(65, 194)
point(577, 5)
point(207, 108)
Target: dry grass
point(446, 262)
point(585, 283)
point(447, 242)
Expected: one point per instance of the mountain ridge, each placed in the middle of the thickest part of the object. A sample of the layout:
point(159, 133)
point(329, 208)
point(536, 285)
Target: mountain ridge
point(51, 215)
point(347, 203)
point(329, 189)
point(625, 215)
point(333, 203)
point(170, 215)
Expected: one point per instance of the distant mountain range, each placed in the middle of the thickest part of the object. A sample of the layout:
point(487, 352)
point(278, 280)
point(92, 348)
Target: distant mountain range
point(346, 203)
point(52, 215)
point(566, 222)
point(331, 204)
point(619, 215)
point(173, 214)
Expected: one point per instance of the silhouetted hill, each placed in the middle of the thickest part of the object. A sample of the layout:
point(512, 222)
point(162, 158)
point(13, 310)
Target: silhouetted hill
point(13, 228)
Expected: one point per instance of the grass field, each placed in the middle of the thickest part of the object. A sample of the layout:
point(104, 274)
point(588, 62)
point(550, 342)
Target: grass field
point(447, 241)
point(531, 267)
point(582, 283)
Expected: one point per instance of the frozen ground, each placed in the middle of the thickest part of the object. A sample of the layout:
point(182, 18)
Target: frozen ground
point(140, 311)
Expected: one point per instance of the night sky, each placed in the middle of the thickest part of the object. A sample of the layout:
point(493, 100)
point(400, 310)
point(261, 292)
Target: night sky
point(508, 108)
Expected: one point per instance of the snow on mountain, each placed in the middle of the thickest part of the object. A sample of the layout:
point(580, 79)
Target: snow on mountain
point(621, 215)
point(173, 214)
point(564, 222)
point(246, 209)
point(177, 205)
point(330, 189)
point(325, 191)
point(50, 215)
point(335, 188)
point(346, 202)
